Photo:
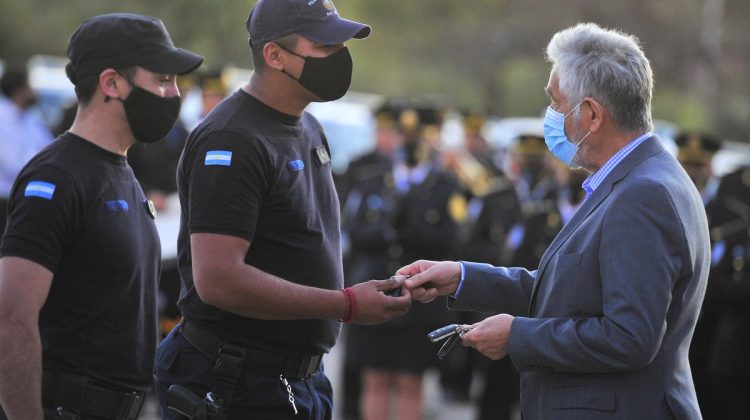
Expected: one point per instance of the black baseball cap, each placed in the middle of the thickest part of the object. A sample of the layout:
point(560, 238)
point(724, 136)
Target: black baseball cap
point(316, 20)
point(122, 40)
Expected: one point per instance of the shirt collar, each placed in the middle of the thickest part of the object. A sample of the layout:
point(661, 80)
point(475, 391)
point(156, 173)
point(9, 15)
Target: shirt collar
point(592, 182)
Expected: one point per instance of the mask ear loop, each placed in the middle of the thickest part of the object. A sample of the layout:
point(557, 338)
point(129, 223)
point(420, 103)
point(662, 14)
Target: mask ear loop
point(584, 138)
point(570, 112)
point(292, 53)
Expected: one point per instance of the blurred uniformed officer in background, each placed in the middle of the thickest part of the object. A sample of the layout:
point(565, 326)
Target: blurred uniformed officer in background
point(369, 202)
point(538, 193)
point(493, 207)
point(695, 151)
point(428, 207)
point(721, 341)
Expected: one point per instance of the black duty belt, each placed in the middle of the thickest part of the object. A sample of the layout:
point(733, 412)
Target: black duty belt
point(256, 361)
point(75, 394)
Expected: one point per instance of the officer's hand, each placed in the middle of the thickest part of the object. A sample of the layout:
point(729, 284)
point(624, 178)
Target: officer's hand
point(430, 279)
point(490, 336)
point(374, 307)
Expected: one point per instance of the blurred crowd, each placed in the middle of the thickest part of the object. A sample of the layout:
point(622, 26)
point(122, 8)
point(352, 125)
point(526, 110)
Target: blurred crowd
point(414, 197)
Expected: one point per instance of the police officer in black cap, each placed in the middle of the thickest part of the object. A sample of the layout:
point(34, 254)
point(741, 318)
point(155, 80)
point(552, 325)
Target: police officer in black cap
point(695, 151)
point(422, 209)
point(725, 307)
point(80, 256)
point(718, 352)
point(259, 246)
point(369, 203)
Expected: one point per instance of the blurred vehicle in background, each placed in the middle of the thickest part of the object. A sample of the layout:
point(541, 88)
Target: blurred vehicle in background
point(54, 91)
point(349, 125)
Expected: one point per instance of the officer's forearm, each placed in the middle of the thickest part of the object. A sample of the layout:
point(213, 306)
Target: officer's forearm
point(248, 291)
point(21, 367)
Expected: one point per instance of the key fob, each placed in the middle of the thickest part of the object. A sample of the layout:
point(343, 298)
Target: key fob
point(442, 333)
point(395, 292)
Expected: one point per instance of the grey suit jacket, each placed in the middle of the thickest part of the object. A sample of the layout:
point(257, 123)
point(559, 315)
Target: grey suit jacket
point(606, 320)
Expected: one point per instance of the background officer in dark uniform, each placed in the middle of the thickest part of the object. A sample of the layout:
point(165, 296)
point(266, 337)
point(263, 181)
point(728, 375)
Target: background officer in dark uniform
point(259, 245)
point(492, 208)
point(369, 203)
point(80, 257)
point(537, 190)
point(725, 307)
point(695, 152)
point(429, 205)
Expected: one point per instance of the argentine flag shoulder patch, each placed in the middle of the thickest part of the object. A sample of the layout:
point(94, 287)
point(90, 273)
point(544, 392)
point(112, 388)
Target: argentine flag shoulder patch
point(39, 189)
point(218, 158)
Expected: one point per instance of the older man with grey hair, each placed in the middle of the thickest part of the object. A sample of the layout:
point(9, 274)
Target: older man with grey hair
point(601, 329)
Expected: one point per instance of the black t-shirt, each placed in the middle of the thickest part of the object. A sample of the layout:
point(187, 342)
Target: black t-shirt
point(77, 210)
point(253, 172)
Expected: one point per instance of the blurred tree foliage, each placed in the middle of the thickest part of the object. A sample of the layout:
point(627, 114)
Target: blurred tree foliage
point(485, 55)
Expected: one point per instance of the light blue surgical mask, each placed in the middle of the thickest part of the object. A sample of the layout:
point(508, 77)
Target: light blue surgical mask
point(554, 135)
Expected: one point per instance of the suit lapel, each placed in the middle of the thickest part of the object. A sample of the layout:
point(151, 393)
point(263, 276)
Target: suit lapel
point(646, 149)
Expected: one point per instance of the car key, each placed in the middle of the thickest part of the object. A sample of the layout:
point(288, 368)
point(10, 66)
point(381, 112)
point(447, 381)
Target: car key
point(395, 292)
point(443, 333)
point(453, 333)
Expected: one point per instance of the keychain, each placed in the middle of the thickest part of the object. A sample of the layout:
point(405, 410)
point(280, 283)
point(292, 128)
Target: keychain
point(289, 391)
point(452, 334)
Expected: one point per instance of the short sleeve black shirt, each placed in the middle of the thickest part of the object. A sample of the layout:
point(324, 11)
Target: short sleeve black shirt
point(256, 173)
point(77, 210)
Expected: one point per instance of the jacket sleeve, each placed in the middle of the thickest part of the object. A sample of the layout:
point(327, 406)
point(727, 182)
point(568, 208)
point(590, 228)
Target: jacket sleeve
point(491, 289)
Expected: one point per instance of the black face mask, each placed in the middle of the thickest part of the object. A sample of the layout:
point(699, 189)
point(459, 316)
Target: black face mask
point(327, 77)
point(150, 116)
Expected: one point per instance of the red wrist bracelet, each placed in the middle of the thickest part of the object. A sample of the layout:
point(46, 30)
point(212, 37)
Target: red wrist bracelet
point(351, 305)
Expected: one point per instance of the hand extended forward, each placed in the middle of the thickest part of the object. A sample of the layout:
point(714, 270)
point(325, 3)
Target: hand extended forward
point(373, 306)
point(430, 279)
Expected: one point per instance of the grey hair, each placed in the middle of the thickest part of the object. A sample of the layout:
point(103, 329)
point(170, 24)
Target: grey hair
point(608, 66)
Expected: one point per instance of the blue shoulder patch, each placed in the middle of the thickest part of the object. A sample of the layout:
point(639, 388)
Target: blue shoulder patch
point(39, 189)
point(295, 165)
point(218, 157)
point(117, 205)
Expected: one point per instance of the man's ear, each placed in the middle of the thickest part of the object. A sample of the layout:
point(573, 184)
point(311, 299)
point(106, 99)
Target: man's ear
point(272, 56)
point(596, 113)
point(112, 84)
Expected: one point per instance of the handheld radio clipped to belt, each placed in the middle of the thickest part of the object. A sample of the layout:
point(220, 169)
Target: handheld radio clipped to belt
point(227, 371)
point(186, 403)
